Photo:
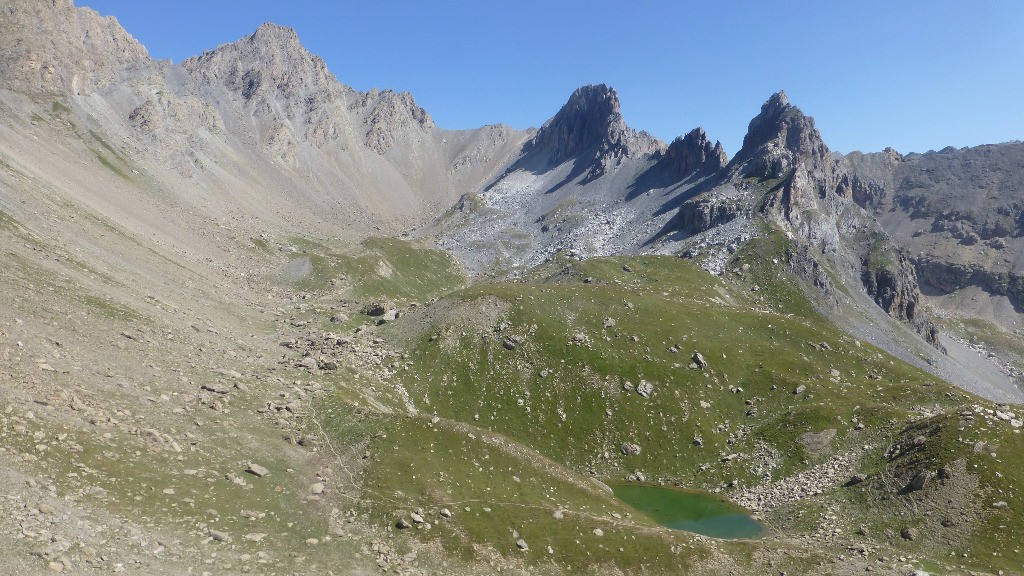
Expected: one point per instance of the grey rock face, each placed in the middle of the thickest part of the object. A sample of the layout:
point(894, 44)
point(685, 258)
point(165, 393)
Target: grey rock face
point(591, 118)
point(920, 480)
point(590, 129)
point(890, 279)
point(970, 198)
point(704, 213)
point(53, 47)
point(693, 154)
point(778, 139)
point(812, 198)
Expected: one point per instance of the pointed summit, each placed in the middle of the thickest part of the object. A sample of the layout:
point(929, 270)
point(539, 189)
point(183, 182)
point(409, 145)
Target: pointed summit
point(273, 36)
point(590, 118)
point(269, 29)
point(778, 138)
point(694, 153)
point(269, 61)
point(590, 130)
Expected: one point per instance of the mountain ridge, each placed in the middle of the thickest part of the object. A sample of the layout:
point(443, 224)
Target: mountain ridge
point(231, 343)
point(264, 111)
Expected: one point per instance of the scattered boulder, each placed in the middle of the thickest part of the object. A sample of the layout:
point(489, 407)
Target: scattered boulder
point(856, 479)
point(608, 322)
point(920, 480)
point(699, 360)
point(908, 534)
point(799, 389)
point(521, 544)
point(220, 536)
point(376, 308)
point(629, 449)
point(257, 470)
point(403, 524)
point(446, 513)
point(510, 342)
point(645, 389)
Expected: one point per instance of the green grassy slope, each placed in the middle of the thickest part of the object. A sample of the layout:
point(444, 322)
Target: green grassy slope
point(527, 392)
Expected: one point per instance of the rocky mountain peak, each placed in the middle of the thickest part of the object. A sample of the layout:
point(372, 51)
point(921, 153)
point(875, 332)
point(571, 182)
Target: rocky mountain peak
point(270, 62)
point(589, 130)
point(694, 153)
point(779, 138)
point(590, 117)
point(590, 122)
point(269, 32)
point(273, 78)
point(52, 46)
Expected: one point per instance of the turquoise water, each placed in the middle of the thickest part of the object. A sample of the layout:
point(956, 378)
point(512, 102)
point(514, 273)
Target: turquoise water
point(689, 510)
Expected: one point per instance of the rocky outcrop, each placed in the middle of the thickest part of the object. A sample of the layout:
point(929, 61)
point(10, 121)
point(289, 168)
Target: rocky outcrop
point(810, 195)
point(294, 99)
point(872, 178)
point(779, 139)
point(269, 64)
point(693, 154)
point(948, 276)
point(155, 114)
point(590, 130)
point(801, 262)
point(961, 211)
point(782, 145)
point(51, 46)
point(890, 278)
point(706, 212)
point(269, 77)
point(388, 114)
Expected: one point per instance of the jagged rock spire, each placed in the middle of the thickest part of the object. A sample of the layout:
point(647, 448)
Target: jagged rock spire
point(590, 117)
point(779, 138)
point(590, 124)
point(694, 153)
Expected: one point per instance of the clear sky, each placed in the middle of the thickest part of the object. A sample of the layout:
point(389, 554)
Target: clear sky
point(908, 74)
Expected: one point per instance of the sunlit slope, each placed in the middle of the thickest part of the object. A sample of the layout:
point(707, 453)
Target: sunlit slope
point(521, 395)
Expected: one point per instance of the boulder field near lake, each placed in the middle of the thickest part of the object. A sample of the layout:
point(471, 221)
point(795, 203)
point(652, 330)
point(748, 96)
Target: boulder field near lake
point(254, 321)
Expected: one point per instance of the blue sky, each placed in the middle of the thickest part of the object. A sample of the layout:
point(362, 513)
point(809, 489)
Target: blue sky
point(911, 75)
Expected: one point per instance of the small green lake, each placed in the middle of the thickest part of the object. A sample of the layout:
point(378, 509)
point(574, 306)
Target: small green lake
point(689, 510)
